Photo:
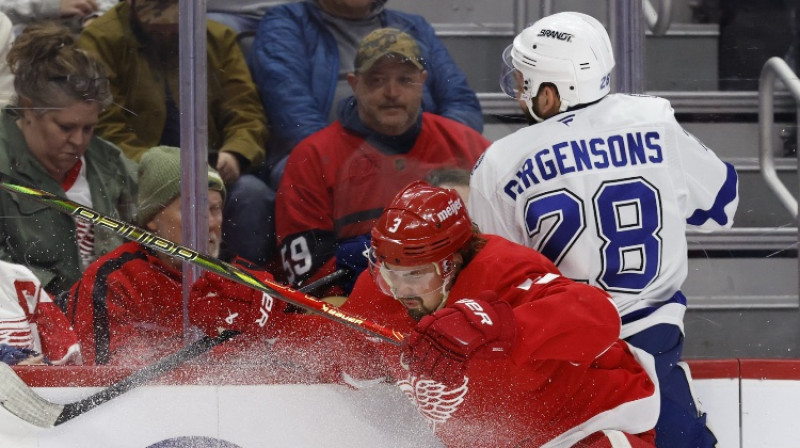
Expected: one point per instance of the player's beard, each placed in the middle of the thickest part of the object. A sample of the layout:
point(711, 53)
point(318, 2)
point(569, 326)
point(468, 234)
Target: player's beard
point(418, 313)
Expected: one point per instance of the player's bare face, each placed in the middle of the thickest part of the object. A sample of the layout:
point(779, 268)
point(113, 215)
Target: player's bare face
point(418, 288)
point(168, 224)
point(59, 137)
point(389, 96)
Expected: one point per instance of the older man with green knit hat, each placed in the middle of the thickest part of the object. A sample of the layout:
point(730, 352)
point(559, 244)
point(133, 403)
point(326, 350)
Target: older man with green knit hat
point(128, 306)
point(158, 201)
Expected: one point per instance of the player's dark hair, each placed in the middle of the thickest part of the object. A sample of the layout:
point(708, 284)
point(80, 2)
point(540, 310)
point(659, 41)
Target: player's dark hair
point(473, 246)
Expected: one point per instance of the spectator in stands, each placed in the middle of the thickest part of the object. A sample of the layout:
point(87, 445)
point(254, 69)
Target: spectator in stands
point(138, 41)
point(6, 77)
point(242, 16)
point(338, 180)
point(302, 55)
point(33, 330)
point(606, 186)
point(490, 356)
point(128, 307)
point(73, 13)
point(47, 141)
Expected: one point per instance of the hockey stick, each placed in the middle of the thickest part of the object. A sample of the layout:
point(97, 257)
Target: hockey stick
point(19, 399)
point(22, 401)
point(207, 262)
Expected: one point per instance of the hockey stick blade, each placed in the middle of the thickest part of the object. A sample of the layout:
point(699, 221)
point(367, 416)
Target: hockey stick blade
point(23, 402)
point(19, 399)
point(207, 262)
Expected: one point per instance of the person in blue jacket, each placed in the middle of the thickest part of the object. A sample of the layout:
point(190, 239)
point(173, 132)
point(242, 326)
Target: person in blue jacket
point(303, 51)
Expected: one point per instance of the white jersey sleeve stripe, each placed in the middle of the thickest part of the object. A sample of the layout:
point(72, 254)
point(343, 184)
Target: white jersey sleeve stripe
point(726, 199)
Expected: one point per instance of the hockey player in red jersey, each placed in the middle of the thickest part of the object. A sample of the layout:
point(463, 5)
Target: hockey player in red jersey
point(502, 351)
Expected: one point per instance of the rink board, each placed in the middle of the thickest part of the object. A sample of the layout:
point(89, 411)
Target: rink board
point(750, 403)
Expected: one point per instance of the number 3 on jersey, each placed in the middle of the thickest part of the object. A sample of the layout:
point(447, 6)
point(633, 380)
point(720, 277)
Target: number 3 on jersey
point(628, 217)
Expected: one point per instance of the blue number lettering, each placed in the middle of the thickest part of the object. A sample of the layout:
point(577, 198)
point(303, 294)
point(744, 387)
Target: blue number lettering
point(556, 220)
point(628, 217)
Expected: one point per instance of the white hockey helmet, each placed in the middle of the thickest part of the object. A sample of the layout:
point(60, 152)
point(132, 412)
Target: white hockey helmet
point(570, 50)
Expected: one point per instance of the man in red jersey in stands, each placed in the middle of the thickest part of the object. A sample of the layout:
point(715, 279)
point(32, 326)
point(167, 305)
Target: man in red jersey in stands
point(338, 180)
point(127, 309)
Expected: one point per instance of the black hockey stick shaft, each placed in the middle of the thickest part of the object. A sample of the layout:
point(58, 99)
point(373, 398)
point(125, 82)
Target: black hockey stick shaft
point(143, 375)
point(164, 365)
point(207, 262)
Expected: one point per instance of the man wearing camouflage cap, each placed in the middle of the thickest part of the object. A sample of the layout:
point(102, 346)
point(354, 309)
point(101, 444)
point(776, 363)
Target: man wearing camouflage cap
point(303, 51)
point(338, 180)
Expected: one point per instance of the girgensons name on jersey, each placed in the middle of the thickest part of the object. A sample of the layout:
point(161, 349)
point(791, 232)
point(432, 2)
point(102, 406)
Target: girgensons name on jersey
point(598, 153)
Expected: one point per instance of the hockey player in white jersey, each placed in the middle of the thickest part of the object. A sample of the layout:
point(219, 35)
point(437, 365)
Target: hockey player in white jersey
point(606, 185)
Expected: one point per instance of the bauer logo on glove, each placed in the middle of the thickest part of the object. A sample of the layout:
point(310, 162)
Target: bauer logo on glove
point(478, 309)
point(218, 303)
point(442, 344)
point(266, 308)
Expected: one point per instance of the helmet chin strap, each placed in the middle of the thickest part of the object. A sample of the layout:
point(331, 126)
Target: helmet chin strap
point(533, 114)
point(447, 282)
point(445, 293)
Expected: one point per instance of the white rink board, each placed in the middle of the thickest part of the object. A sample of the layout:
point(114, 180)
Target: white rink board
point(248, 416)
point(719, 398)
point(331, 416)
point(770, 413)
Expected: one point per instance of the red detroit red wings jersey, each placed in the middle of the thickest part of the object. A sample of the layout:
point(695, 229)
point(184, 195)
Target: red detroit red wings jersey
point(568, 374)
point(336, 185)
point(127, 308)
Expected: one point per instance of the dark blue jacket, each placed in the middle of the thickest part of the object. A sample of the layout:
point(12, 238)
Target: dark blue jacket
point(295, 65)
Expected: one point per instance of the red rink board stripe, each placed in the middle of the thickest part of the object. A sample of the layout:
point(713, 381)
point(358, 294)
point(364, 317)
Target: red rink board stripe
point(104, 376)
point(770, 369)
point(78, 376)
point(714, 368)
point(751, 369)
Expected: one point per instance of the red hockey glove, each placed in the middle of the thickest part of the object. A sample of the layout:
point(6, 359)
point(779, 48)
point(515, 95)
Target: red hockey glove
point(442, 343)
point(216, 302)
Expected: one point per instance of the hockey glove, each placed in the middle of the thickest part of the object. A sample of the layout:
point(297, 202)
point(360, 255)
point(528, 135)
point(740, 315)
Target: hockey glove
point(442, 343)
point(352, 255)
point(217, 303)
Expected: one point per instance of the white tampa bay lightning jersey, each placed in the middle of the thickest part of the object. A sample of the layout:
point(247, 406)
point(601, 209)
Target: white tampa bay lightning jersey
point(607, 192)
